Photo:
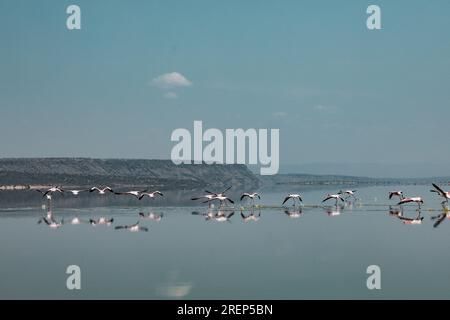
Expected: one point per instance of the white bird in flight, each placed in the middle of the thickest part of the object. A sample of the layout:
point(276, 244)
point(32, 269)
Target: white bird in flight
point(442, 193)
point(417, 200)
point(336, 197)
point(101, 190)
point(397, 193)
point(131, 193)
point(151, 195)
point(50, 191)
point(349, 193)
point(208, 199)
point(76, 192)
point(223, 200)
point(252, 196)
point(294, 197)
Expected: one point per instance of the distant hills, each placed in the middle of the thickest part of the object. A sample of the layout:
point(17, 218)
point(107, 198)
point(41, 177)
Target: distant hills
point(375, 170)
point(311, 179)
point(162, 174)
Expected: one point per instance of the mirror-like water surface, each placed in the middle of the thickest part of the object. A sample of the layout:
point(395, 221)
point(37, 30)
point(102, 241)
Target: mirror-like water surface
point(193, 253)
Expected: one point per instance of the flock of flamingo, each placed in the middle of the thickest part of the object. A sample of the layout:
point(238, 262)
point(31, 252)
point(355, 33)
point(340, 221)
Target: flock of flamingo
point(210, 197)
point(342, 197)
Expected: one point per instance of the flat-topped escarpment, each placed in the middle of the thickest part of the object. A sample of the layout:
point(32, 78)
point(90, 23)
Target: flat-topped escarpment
point(121, 172)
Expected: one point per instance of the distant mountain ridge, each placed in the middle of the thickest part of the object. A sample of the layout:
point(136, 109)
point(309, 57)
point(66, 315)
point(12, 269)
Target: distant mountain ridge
point(121, 172)
point(163, 174)
point(376, 170)
point(312, 179)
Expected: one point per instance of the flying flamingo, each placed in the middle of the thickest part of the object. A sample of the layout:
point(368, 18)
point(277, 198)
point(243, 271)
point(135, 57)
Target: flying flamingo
point(294, 197)
point(335, 197)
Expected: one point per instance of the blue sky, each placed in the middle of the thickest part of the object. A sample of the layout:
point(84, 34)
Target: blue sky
point(337, 91)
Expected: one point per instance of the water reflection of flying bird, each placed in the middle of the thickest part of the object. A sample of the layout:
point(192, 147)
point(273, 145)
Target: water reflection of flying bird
point(52, 223)
point(416, 220)
point(334, 211)
point(150, 194)
point(77, 221)
point(222, 217)
point(293, 197)
point(101, 221)
point(48, 195)
point(151, 216)
point(441, 193)
point(251, 196)
point(336, 197)
point(49, 215)
point(132, 228)
point(251, 217)
point(101, 190)
point(293, 214)
point(440, 218)
point(208, 215)
point(396, 212)
point(417, 200)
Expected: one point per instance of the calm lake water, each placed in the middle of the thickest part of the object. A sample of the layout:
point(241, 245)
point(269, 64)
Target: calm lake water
point(316, 255)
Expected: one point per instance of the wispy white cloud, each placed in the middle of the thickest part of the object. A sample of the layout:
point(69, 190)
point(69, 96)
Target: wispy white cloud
point(324, 108)
point(170, 81)
point(170, 95)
